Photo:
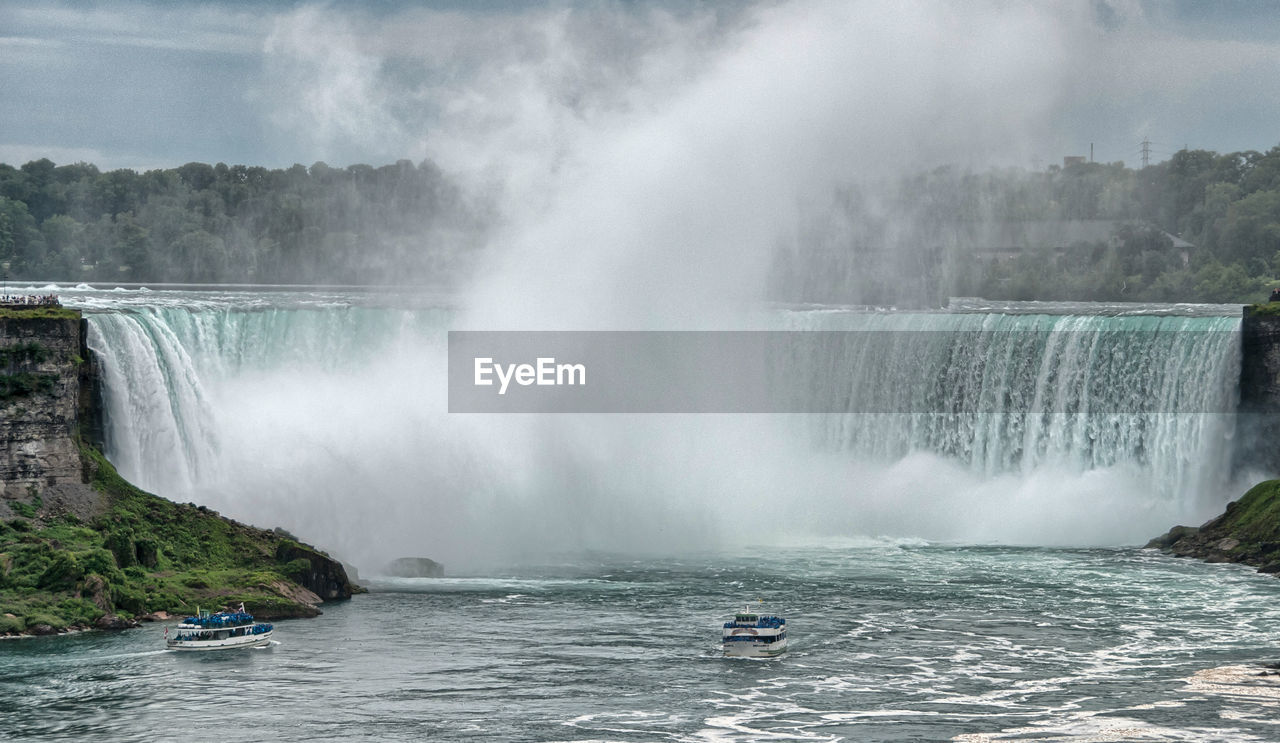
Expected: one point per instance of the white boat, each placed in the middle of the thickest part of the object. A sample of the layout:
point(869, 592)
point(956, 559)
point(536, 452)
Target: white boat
point(752, 635)
point(221, 630)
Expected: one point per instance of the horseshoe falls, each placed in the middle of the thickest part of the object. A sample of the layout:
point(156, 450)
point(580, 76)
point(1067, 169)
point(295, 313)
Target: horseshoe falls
point(1006, 394)
point(326, 414)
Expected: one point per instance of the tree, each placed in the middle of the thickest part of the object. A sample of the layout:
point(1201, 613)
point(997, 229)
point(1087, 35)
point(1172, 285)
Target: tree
point(131, 248)
point(20, 240)
point(202, 256)
point(64, 243)
point(197, 176)
point(1253, 227)
point(41, 197)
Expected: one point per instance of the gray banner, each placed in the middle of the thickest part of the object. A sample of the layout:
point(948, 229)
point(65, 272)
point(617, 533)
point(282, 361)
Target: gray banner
point(933, 372)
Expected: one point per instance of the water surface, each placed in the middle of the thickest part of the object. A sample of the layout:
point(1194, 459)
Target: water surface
point(889, 641)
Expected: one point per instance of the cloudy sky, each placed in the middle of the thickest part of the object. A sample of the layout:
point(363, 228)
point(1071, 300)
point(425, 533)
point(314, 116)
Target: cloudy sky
point(471, 84)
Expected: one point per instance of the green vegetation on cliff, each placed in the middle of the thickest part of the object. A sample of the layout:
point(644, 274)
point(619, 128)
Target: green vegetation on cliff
point(1248, 532)
point(42, 313)
point(143, 554)
point(29, 352)
point(1255, 518)
point(25, 383)
point(16, 378)
point(1263, 309)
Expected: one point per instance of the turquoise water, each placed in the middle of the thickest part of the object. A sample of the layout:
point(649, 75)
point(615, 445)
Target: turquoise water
point(889, 641)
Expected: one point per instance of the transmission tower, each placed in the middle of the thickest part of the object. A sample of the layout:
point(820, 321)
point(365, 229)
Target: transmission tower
point(1146, 151)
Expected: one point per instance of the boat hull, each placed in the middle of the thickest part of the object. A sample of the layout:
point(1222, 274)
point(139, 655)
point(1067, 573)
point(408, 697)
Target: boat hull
point(752, 635)
point(755, 649)
point(227, 643)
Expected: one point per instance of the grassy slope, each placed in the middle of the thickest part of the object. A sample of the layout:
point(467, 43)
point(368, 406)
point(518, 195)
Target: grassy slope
point(26, 313)
point(1254, 520)
point(1248, 532)
point(1263, 309)
point(142, 554)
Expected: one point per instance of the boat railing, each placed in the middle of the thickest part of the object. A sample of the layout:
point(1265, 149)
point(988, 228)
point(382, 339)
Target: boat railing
point(204, 633)
point(760, 623)
point(220, 619)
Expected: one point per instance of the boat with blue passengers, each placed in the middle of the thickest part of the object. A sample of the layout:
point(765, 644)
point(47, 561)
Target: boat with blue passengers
point(752, 635)
point(221, 630)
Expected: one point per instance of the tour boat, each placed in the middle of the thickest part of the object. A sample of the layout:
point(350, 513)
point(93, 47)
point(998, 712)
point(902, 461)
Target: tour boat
point(219, 631)
point(752, 635)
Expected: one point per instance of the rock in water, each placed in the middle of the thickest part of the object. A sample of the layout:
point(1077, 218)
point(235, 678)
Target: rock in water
point(113, 622)
point(414, 567)
point(1169, 538)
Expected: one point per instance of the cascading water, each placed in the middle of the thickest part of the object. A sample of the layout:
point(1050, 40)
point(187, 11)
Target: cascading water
point(1010, 393)
point(328, 418)
point(165, 431)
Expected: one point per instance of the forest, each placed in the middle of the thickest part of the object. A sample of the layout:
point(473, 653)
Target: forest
point(1199, 227)
point(400, 223)
point(1227, 207)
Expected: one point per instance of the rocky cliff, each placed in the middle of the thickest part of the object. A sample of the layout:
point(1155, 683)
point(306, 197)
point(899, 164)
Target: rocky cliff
point(1248, 532)
point(46, 389)
point(80, 546)
point(1258, 421)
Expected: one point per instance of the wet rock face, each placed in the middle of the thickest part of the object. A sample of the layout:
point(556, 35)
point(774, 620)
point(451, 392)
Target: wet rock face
point(44, 373)
point(1258, 421)
point(317, 572)
point(1171, 537)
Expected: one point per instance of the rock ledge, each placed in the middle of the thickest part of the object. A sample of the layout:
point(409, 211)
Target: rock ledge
point(1248, 532)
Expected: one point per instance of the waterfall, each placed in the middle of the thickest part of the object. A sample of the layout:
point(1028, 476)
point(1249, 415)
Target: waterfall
point(330, 420)
point(164, 432)
point(1007, 393)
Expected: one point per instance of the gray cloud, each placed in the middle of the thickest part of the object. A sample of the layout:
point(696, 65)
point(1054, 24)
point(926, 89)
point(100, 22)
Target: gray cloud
point(476, 84)
point(199, 27)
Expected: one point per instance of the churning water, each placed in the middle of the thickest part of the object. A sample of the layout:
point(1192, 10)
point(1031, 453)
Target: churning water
point(889, 641)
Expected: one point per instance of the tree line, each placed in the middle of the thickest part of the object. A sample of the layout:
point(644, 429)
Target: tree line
point(1227, 206)
point(1199, 227)
point(400, 223)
